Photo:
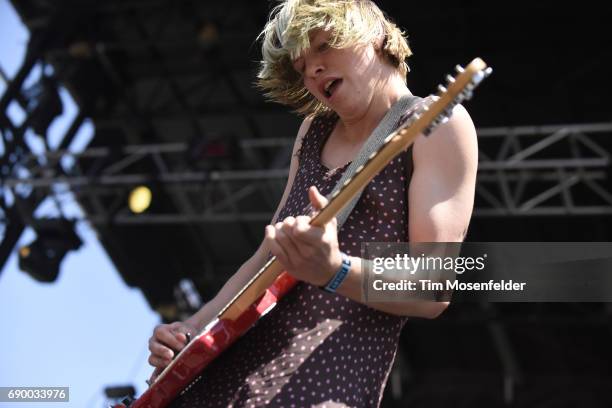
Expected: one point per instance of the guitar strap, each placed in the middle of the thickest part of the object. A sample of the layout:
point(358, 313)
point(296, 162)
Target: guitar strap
point(387, 125)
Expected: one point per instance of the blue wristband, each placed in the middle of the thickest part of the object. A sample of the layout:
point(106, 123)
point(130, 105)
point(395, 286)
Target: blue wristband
point(340, 275)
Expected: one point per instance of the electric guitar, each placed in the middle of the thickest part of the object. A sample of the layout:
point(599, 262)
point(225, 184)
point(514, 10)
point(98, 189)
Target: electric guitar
point(270, 283)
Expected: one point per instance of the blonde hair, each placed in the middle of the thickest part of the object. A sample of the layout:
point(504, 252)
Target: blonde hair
point(286, 36)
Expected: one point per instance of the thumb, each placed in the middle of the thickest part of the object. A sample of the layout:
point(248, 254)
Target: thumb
point(317, 200)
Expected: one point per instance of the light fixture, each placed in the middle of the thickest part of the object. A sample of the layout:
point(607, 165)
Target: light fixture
point(140, 199)
point(214, 151)
point(208, 35)
point(44, 104)
point(41, 259)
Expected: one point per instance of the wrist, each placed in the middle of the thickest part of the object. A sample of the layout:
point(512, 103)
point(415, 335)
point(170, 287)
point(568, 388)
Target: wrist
point(340, 274)
point(192, 325)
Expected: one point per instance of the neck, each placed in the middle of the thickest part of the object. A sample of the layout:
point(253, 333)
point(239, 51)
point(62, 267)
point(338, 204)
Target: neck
point(357, 127)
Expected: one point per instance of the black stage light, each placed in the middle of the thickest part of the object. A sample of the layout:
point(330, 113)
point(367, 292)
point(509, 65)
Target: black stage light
point(43, 104)
point(121, 391)
point(214, 151)
point(42, 258)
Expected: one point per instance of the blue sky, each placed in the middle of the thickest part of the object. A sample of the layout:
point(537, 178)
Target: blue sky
point(86, 330)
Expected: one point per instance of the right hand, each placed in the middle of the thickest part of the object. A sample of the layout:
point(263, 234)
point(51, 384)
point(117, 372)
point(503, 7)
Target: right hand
point(167, 341)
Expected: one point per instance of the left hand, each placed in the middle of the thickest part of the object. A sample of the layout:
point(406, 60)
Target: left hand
point(308, 253)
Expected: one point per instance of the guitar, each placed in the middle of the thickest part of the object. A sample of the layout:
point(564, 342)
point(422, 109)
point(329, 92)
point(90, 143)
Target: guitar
point(270, 283)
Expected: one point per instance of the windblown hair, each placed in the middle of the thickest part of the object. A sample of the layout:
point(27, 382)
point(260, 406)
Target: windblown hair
point(286, 36)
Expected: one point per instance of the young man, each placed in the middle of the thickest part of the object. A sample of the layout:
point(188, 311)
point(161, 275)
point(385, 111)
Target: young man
point(342, 65)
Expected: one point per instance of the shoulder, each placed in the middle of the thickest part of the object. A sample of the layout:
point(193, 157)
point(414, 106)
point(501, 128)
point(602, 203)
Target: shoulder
point(451, 145)
point(305, 125)
point(299, 138)
point(441, 193)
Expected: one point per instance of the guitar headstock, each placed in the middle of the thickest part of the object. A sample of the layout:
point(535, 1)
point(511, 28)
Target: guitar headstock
point(456, 90)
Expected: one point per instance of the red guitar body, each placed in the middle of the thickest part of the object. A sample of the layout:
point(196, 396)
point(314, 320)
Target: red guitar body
point(207, 346)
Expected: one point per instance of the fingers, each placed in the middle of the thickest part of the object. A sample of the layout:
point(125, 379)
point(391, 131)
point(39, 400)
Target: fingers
point(277, 250)
point(305, 233)
point(169, 336)
point(158, 362)
point(317, 200)
point(160, 350)
point(287, 238)
point(182, 332)
point(154, 375)
point(167, 340)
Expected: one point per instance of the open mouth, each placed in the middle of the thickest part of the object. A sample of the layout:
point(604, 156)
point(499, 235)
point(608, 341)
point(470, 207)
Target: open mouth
point(331, 86)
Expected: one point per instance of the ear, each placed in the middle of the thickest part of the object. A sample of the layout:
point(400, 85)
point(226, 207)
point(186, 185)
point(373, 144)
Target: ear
point(384, 52)
point(380, 43)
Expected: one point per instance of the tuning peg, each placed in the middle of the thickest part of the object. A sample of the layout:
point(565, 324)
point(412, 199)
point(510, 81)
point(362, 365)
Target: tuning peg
point(442, 89)
point(459, 69)
point(443, 118)
point(450, 79)
point(479, 76)
point(458, 99)
point(467, 94)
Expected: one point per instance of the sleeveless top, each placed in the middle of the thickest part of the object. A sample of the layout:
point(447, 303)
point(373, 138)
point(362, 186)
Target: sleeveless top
point(317, 348)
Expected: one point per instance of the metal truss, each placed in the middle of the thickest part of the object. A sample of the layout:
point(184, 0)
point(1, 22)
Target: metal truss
point(523, 171)
point(16, 215)
point(208, 196)
point(547, 170)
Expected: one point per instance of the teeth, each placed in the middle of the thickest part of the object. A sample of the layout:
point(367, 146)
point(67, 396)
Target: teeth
point(328, 84)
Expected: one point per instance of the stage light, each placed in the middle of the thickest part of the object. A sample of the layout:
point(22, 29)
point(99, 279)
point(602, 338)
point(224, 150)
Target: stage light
point(43, 104)
point(214, 151)
point(140, 199)
point(41, 259)
point(25, 251)
point(80, 49)
point(122, 393)
point(208, 36)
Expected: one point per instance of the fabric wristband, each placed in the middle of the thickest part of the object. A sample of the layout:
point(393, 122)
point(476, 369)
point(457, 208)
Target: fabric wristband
point(339, 277)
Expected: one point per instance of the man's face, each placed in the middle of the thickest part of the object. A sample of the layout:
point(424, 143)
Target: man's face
point(343, 79)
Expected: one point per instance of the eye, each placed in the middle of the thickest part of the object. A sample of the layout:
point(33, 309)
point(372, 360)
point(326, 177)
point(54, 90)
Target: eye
point(323, 46)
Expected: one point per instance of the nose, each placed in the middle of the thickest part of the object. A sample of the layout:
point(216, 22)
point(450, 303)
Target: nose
point(314, 67)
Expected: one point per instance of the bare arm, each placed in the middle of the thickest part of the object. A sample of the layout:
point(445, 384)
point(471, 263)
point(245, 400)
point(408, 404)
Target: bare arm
point(440, 197)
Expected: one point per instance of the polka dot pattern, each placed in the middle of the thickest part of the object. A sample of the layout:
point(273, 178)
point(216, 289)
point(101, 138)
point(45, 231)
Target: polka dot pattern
point(316, 348)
